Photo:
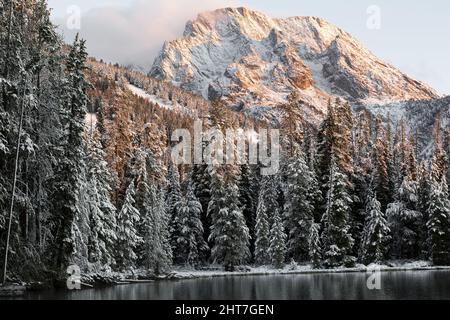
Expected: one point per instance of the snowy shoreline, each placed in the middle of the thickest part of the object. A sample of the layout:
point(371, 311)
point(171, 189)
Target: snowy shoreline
point(181, 274)
point(110, 279)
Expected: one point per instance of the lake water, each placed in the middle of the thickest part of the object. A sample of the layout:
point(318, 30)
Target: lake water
point(348, 286)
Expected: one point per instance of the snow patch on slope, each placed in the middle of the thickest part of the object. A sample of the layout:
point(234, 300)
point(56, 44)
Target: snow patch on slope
point(149, 97)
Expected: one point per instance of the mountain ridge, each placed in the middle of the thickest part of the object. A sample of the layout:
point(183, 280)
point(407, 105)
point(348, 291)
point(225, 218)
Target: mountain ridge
point(250, 60)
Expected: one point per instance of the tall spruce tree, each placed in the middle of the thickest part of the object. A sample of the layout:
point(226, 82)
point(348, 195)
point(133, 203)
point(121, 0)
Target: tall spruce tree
point(277, 247)
point(423, 202)
point(262, 232)
point(173, 199)
point(102, 212)
point(248, 201)
point(439, 223)
point(405, 221)
point(155, 250)
point(381, 162)
point(201, 182)
point(301, 195)
point(268, 204)
point(229, 233)
point(70, 171)
point(314, 245)
point(128, 238)
point(376, 234)
point(191, 245)
point(360, 179)
point(336, 239)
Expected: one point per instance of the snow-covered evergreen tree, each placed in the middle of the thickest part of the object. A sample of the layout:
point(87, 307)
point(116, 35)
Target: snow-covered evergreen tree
point(262, 232)
point(70, 171)
point(314, 245)
point(155, 249)
point(173, 199)
point(267, 206)
point(191, 246)
point(128, 238)
point(424, 194)
point(229, 233)
point(277, 247)
point(334, 140)
point(360, 179)
point(376, 234)
point(381, 163)
point(336, 239)
point(301, 195)
point(439, 223)
point(102, 212)
point(201, 180)
point(405, 221)
point(247, 191)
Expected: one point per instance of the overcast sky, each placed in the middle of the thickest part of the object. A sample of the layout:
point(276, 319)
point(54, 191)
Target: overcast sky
point(413, 35)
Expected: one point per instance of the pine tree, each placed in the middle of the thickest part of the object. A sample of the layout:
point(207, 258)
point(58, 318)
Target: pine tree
point(325, 146)
point(301, 195)
point(102, 211)
point(70, 170)
point(267, 205)
point(229, 233)
point(376, 234)
point(336, 239)
point(201, 182)
point(360, 179)
point(155, 250)
point(128, 238)
point(191, 245)
point(424, 194)
point(262, 232)
point(439, 223)
point(314, 244)
point(248, 201)
point(176, 224)
point(381, 160)
point(405, 221)
point(277, 248)
point(335, 142)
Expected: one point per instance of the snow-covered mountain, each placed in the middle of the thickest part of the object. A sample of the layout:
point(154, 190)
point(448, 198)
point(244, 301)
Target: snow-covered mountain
point(253, 61)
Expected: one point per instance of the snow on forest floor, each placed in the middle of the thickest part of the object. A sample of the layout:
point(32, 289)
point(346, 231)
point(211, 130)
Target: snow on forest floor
point(184, 273)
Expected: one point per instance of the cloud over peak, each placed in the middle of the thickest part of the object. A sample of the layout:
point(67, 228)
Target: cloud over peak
point(133, 35)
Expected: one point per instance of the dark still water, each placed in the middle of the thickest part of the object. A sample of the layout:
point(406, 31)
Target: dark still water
point(394, 285)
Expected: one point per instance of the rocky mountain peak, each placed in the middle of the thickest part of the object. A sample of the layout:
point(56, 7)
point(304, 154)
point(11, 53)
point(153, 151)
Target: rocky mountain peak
point(251, 60)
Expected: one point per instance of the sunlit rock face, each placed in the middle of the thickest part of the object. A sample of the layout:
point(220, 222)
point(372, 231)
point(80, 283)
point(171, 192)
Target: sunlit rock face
point(253, 62)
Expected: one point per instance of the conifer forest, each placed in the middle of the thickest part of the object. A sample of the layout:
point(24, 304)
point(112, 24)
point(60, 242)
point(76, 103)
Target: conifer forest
point(87, 178)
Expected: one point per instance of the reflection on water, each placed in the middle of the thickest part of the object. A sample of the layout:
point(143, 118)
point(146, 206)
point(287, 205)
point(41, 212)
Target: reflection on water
point(348, 286)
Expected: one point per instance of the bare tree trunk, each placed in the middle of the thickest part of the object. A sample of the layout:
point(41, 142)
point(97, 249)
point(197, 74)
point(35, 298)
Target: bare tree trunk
point(11, 208)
